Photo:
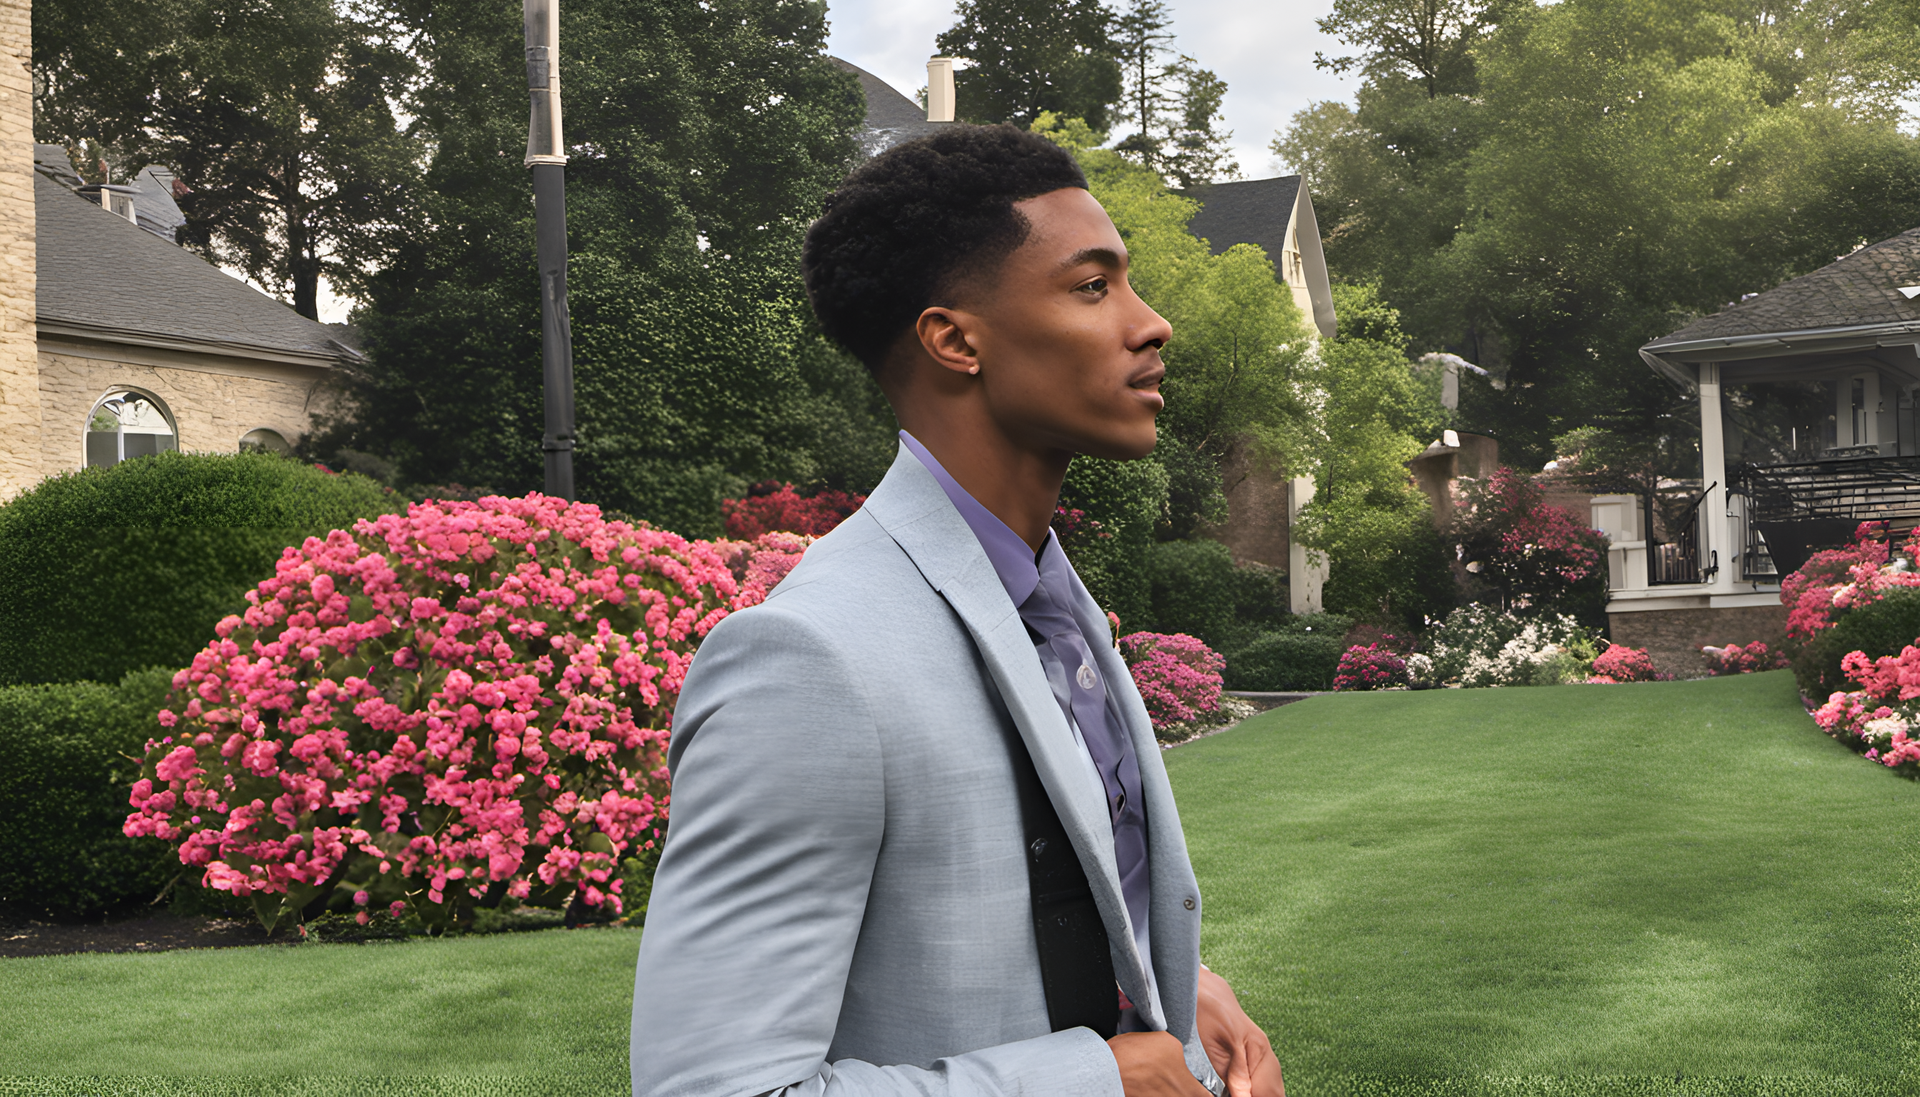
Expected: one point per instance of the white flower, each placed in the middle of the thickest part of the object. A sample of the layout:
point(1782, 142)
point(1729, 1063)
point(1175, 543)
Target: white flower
point(1881, 730)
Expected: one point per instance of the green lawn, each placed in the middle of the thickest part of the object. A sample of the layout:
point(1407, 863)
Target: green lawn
point(1669, 889)
point(536, 1014)
point(1622, 885)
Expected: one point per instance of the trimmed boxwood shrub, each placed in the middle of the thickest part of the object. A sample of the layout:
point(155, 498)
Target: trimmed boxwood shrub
point(108, 570)
point(1879, 628)
point(1199, 590)
point(1302, 655)
point(68, 754)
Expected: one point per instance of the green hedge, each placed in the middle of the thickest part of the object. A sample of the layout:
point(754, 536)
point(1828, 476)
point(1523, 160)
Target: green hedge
point(108, 570)
point(67, 760)
point(1197, 589)
point(1878, 628)
point(1300, 656)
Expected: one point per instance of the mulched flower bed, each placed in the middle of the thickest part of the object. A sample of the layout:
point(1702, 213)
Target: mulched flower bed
point(154, 933)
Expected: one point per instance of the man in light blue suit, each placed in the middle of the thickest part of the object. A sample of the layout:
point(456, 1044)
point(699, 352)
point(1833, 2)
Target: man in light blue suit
point(922, 839)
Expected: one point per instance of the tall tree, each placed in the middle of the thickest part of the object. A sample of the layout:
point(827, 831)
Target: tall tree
point(1430, 41)
point(702, 139)
point(278, 117)
point(1029, 56)
point(1618, 167)
point(1143, 37)
point(1194, 145)
point(1173, 104)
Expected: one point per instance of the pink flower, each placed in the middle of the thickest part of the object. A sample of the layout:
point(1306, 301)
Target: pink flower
point(437, 702)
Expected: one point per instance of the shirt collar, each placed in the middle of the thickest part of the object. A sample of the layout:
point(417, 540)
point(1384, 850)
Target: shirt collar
point(1012, 560)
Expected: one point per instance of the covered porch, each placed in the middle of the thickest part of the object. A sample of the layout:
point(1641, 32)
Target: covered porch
point(1809, 405)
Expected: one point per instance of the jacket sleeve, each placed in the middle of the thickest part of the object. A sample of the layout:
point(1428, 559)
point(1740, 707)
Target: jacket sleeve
point(779, 805)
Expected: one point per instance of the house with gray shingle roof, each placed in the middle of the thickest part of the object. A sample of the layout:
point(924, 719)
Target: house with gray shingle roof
point(1808, 427)
point(143, 346)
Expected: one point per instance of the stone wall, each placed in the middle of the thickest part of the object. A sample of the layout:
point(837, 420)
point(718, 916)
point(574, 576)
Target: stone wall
point(1674, 637)
point(19, 360)
point(213, 401)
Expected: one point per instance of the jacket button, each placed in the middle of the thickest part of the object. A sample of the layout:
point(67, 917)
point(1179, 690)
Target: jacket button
point(1187, 902)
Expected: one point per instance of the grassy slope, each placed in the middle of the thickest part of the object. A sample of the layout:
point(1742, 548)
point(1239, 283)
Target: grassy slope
point(1642, 882)
point(551, 1008)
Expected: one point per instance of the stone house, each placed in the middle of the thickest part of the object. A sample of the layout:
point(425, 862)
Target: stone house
point(1808, 427)
point(114, 341)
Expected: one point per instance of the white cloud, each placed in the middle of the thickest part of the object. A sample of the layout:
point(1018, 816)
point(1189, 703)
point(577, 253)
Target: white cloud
point(1264, 51)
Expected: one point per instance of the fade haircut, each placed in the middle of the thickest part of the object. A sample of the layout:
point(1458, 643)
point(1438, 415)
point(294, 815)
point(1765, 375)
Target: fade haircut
point(911, 227)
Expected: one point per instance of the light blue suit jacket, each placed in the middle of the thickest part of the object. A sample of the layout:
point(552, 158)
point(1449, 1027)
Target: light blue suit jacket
point(842, 905)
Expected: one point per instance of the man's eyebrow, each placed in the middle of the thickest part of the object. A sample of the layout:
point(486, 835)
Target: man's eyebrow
point(1103, 256)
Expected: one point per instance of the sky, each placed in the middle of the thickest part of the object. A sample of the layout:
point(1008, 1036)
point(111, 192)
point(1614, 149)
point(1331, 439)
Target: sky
point(1263, 49)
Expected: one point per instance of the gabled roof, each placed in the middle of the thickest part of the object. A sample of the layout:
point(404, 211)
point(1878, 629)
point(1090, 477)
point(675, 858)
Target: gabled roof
point(891, 116)
point(1260, 211)
point(1855, 290)
point(1851, 305)
point(102, 277)
point(1251, 211)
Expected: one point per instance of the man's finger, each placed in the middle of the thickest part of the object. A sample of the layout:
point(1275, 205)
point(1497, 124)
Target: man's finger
point(1240, 1070)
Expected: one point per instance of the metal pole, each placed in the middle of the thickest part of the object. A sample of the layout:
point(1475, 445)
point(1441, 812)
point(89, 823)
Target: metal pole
point(546, 156)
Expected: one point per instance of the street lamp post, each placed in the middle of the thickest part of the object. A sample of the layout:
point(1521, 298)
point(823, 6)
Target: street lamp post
point(546, 156)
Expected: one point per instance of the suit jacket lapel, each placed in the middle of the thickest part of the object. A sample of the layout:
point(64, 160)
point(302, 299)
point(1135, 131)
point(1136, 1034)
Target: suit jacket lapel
point(912, 508)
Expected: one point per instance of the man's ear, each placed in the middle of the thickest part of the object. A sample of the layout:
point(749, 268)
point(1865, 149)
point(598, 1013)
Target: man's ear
point(945, 336)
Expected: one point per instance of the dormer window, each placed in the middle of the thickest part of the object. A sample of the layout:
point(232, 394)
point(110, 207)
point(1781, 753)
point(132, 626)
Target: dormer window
point(114, 198)
point(125, 425)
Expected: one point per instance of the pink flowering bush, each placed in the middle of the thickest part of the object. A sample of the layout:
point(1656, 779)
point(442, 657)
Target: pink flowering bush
point(462, 703)
point(1533, 555)
point(1878, 718)
point(1620, 663)
point(1833, 581)
point(773, 507)
point(1178, 677)
point(1369, 666)
point(1734, 659)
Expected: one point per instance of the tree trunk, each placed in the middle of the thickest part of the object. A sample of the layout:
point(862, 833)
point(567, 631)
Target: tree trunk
point(303, 267)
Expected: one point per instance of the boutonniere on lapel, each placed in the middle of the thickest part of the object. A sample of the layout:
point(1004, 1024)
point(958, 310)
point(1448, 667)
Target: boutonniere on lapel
point(1113, 626)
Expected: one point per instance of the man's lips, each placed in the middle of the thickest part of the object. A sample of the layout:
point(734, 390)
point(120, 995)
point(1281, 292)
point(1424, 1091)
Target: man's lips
point(1146, 381)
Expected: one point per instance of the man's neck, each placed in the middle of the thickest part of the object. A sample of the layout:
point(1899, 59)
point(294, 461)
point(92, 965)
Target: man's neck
point(1019, 486)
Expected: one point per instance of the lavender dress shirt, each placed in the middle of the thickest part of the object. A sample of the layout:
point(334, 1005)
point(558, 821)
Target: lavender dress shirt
point(1038, 584)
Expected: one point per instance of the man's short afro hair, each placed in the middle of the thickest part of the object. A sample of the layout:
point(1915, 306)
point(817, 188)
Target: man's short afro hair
point(910, 225)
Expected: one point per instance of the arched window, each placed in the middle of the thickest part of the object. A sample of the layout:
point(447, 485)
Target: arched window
point(125, 425)
point(263, 440)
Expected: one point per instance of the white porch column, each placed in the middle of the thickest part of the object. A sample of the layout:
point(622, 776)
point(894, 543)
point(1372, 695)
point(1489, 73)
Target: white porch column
point(1716, 530)
point(1306, 569)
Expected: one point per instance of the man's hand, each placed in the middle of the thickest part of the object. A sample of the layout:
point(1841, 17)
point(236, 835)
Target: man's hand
point(1154, 1064)
point(1239, 1050)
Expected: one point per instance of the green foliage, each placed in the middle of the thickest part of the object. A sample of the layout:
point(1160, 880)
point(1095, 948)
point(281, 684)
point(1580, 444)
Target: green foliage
point(1127, 498)
point(109, 570)
point(1387, 564)
point(1198, 590)
point(279, 117)
point(67, 757)
point(715, 129)
point(1546, 197)
point(1032, 56)
point(1879, 628)
point(1301, 655)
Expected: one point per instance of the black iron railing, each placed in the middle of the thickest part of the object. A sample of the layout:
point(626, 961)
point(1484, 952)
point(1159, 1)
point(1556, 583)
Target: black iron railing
point(1676, 562)
point(1794, 510)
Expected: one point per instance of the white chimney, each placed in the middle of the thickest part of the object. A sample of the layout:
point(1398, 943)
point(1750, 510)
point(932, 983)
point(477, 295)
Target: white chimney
point(940, 89)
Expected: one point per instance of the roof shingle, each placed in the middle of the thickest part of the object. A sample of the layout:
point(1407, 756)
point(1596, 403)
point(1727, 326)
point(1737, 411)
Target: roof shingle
point(102, 272)
point(1856, 290)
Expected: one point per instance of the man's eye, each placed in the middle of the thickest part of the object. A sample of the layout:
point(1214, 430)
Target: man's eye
point(1098, 285)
